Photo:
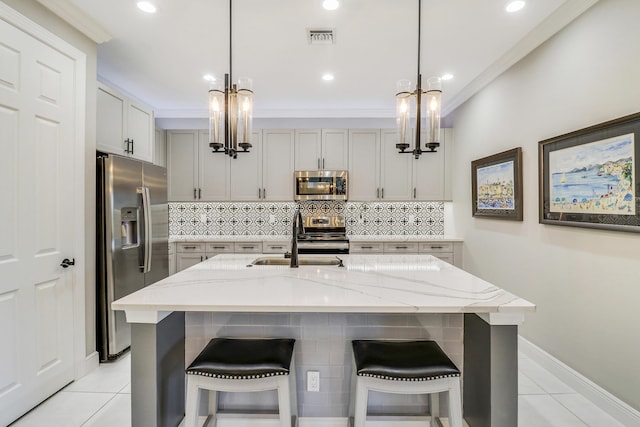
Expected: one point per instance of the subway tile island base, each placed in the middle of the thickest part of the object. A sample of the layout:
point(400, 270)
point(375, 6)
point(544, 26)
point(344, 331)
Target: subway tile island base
point(324, 308)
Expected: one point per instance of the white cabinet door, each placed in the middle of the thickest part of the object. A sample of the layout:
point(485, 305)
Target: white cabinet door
point(38, 126)
point(110, 126)
point(140, 132)
point(278, 164)
point(396, 175)
point(123, 126)
point(428, 173)
point(364, 164)
point(213, 171)
point(246, 172)
point(182, 162)
point(184, 261)
point(335, 149)
point(308, 146)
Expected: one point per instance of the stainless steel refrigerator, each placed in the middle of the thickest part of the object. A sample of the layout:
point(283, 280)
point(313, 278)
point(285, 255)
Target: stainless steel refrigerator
point(132, 241)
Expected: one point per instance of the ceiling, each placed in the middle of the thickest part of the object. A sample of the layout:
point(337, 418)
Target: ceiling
point(161, 58)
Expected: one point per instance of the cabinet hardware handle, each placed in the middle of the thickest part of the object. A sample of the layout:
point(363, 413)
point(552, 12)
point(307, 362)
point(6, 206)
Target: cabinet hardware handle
point(382, 193)
point(195, 194)
point(218, 247)
point(201, 258)
point(437, 247)
point(277, 247)
point(199, 193)
point(318, 162)
point(248, 247)
point(323, 163)
point(189, 247)
point(402, 247)
point(366, 247)
point(414, 192)
point(377, 193)
point(264, 193)
point(132, 146)
point(259, 193)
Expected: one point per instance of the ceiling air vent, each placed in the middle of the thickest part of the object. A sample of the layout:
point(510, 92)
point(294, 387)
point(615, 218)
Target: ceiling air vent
point(321, 36)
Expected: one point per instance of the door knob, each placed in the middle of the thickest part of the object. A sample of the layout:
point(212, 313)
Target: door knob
point(67, 262)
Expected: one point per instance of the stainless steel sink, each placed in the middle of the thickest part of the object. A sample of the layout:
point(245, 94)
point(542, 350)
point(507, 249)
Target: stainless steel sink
point(302, 260)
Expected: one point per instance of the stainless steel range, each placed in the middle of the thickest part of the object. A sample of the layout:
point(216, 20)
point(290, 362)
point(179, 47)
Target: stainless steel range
point(324, 235)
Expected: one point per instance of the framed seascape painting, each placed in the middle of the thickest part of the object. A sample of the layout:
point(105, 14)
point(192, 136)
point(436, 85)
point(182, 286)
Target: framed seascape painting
point(496, 185)
point(589, 178)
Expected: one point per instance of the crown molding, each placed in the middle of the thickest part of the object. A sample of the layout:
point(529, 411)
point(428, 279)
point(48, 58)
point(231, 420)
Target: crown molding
point(78, 19)
point(555, 22)
point(288, 113)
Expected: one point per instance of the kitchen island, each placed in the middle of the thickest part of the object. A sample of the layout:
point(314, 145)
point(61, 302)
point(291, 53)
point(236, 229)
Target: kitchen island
point(400, 285)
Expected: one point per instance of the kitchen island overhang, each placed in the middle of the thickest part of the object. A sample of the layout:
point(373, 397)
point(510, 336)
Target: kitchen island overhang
point(391, 284)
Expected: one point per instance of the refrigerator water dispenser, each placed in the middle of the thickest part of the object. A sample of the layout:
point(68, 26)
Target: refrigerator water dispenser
point(129, 227)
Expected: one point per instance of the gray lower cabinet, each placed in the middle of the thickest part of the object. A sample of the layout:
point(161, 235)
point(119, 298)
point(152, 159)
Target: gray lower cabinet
point(191, 253)
point(448, 251)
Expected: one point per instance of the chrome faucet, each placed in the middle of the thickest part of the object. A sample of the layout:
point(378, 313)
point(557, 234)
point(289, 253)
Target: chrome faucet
point(297, 229)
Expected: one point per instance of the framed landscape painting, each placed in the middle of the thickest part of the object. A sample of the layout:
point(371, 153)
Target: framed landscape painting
point(496, 185)
point(589, 178)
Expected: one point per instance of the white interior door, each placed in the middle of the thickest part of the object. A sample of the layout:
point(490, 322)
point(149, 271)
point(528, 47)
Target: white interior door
point(37, 193)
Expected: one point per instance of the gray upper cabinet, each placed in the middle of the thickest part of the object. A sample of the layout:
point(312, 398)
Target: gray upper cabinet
point(123, 126)
point(321, 149)
point(376, 170)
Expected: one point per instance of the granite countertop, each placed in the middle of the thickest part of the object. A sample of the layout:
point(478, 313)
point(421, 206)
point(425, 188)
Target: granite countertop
point(366, 284)
point(353, 238)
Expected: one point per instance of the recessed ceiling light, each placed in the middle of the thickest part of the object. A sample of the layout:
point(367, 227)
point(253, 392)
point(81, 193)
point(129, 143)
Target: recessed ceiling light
point(209, 78)
point(147, 6)
point(447, 76)
point(514, 5)
point(327, 77)
point(330, 4)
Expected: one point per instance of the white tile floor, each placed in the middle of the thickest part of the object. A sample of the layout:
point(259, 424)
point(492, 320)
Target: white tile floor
point(102, 399)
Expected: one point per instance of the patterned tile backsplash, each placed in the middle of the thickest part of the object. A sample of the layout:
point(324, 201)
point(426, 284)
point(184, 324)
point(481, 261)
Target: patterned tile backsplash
point(274, 218)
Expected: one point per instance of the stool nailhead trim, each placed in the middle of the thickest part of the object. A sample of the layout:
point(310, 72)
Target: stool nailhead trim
point(236, 377)
point(384, 377)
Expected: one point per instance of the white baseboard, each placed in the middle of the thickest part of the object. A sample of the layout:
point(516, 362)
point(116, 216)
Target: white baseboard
point(606, 401)
point(87, 365)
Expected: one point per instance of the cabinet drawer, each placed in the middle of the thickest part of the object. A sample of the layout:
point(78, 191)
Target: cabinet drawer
point(431, 247)
point(220, 248)
point(189, 247)
point(401, 247)
point(247, 247)
point(366, 247)
point(444, 257)
point(275, 247)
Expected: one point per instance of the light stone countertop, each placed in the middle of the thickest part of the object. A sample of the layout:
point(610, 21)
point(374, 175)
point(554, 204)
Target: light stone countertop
point(366, 284)
point(354, 238)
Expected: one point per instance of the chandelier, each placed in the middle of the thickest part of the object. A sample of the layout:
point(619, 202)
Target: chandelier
point(407, 100)
point(230, 111)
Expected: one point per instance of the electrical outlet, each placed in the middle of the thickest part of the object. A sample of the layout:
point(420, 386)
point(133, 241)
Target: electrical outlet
point(313, 381)
point(272, 219)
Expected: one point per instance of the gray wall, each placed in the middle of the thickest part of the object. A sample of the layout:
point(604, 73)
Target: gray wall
point(584, 281)
point(42, 16)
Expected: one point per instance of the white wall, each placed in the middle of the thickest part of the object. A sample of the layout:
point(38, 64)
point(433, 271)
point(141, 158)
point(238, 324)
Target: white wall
point(42, 16)
point(585, 282)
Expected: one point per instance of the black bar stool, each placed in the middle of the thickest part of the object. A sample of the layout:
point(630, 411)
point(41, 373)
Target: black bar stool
point(404, 367)
point(242, 365)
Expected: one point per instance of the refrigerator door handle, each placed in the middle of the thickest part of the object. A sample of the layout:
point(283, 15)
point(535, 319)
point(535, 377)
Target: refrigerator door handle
point(146, 215)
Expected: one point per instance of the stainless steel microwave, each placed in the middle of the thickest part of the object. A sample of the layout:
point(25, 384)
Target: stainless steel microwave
point(320, 185)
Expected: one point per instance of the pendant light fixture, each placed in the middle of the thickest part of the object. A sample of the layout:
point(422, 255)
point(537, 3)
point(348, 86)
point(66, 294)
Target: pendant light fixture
point(231, 111)
point(406, 99)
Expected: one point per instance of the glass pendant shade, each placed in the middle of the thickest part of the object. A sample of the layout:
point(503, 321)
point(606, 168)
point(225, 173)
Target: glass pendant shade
point(433, 109)
point(244, 105)
point(403, 113)
point(216, 116)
